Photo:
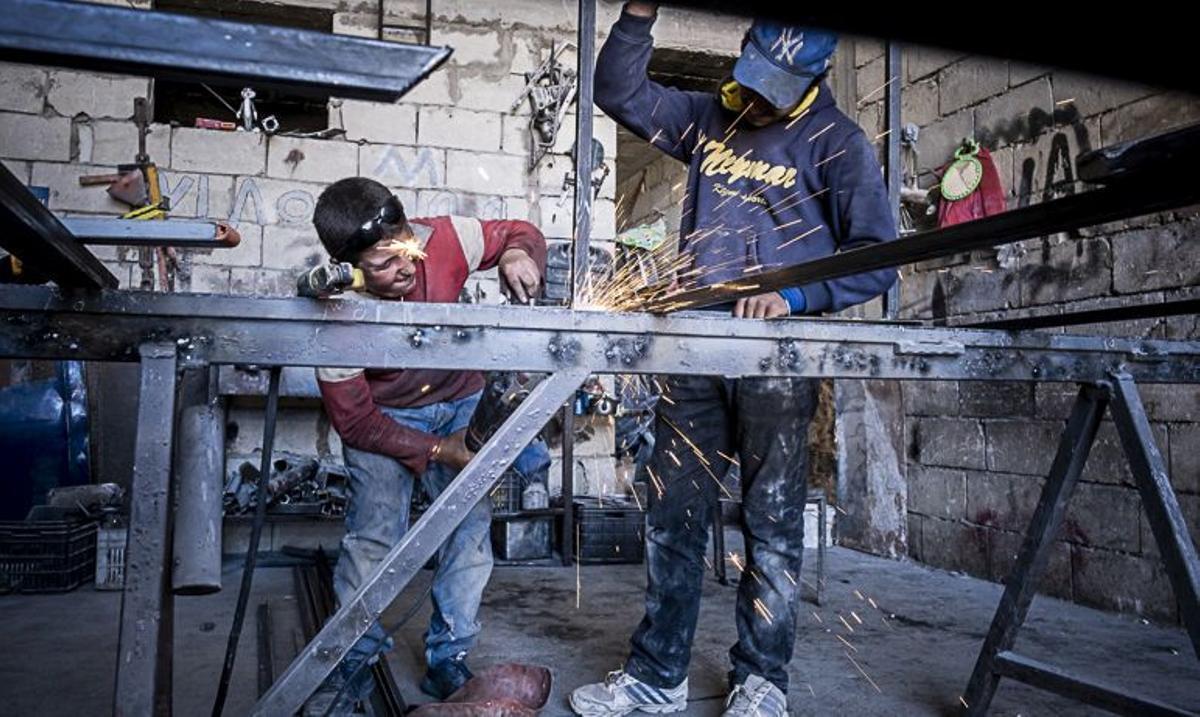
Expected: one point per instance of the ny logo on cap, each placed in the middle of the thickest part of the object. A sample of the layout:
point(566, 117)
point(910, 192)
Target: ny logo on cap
point(787, 45)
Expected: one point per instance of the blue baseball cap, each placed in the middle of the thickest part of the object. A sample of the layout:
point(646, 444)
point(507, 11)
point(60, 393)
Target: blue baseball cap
point(780, 61)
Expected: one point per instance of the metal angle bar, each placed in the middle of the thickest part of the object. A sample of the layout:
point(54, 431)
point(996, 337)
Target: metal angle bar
point(40, 322)
point(30, 232)
point(1152, 191)
point(584, 166)
point(142, 665)
point(894, 169)
point(194, 49)
point(125, 232)
point(419, 544)
point(1181, 307)
point(1167, 521)
point(1050, 678)
point(1044, 526)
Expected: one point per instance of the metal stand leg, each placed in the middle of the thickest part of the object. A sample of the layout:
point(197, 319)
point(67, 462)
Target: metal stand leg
point(1035, 552)
point(996, 659)
point(1166, 520)
point(419, 544)
point(143, 684)
point(568, 485)
point(260, 516)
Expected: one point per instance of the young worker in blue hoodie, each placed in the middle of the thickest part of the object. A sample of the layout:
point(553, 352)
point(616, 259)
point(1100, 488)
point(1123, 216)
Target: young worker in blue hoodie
point(777, 176)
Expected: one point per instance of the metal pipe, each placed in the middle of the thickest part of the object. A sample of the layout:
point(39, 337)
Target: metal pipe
point(894, 169)
point(200, 479)
point(134, 232)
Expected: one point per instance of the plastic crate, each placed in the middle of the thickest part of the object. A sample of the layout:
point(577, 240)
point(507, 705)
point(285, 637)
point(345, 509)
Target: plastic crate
point(46, 557)
point(110, 558)
point(506, 496)
point(610, 531)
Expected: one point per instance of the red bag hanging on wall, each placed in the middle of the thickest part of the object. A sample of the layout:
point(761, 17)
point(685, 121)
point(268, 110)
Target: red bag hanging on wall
point(970, 187)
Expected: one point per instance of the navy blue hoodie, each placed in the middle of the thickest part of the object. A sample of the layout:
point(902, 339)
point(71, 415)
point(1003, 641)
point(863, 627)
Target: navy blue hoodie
point(758, 198)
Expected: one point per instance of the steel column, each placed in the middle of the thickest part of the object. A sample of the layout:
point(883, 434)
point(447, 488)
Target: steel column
point(417, 546)
point(585, 69)
point(893, 167)
point(143, 680)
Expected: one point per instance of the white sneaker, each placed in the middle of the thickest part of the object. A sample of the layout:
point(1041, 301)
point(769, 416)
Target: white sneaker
point(621, 693)
point(756, 697)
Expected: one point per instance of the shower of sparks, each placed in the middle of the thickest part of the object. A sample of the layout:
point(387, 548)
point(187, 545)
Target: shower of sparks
point(851, 629)
point(858, 595)
point(796, 119)
point(658, 485)
point(761, 608)
point(789, 577)
point(872, 603)
point(964, 702)
point(409, 248)
point(808, 233)
point(731, 459)
point(856, 617)
point(877, 90)
point(674, 458)
point(578, 569)
point(737, 562)
point(817, 617)
point(863, 672)
point(846, 642)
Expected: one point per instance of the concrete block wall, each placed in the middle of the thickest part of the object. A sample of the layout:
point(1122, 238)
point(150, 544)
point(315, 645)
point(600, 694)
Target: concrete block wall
point(977, 453)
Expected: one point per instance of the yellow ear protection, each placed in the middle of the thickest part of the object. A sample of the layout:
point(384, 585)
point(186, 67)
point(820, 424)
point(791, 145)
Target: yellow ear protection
point(731, 98)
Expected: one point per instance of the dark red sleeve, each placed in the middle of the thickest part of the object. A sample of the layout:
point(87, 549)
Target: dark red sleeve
point(500, 235)
point(361, 424)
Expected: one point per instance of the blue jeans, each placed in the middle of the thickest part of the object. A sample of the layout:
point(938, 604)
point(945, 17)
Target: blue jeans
point(376, 518)
point(765, 422)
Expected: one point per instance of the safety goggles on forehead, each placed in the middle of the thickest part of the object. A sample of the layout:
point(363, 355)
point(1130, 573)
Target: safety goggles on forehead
point(386, 221)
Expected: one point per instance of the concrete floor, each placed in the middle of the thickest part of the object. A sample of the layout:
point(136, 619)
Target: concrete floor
point(918, 646)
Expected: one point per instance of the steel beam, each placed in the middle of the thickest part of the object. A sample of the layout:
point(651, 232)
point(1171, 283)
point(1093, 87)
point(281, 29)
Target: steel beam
point(35, 236)
point(135, 232)
point(42, 322)
point(143, 684)
point(1165, 186)
point(194, 49)
point(893, 168)
point(417, 546)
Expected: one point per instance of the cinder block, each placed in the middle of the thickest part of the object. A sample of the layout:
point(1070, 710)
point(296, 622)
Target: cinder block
point(930, 398)
point(206, 150)
point(1022, 446)
point(273, 201)
point(977, 288)
point(1104, 516)
point(205, 279)
point(1046, 167)
point(22, 88)
point(33, 137)
point(291, 248)
point(937, 492)
point(953, 545)
point(434, 203)
point(313, 160)
point(1125, 583)
point(1016, 116)
point(403, 166)
point(1093, 95)
point(871, 80)
point(996, 398)
point(971, 81)
point(1169, 402)
point(1149, 116)
point(95, 95)
point(920, 61)
point(919, 103)
point(1185, 457)
point(938, 141)
point(948, 442)
point(459, 129)
point(492, 93)
point(1002, 500)
point(1156, 257)
point(117, 143)
point(502, 174)
point(384, 122)
point(203, 196)
point(1107, 462)
point(471, 46)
